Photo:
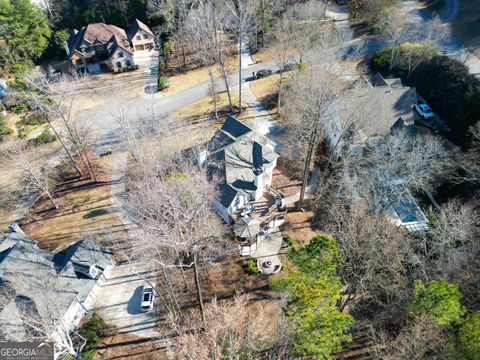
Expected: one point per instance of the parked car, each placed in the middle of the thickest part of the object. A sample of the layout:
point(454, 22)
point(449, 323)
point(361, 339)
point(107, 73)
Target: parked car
point(289, 67)
point(263, 73)
point(147, 298)
point(424, 111)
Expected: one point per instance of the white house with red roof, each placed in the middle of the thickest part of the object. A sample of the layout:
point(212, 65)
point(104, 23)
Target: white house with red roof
point(104, 47)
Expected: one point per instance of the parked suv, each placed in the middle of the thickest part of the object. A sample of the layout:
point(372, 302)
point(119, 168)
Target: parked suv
point(147, 298)
point(263, 73)
point(424, 111)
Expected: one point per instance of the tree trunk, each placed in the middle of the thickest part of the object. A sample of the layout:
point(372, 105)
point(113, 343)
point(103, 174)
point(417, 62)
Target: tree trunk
point(280, 83)
point(225, 78)
point(214, 94)
point(240, 72)
point(52, 200)
point(74, 163)
point(199, 289)
point(311, 147)
point(184, 58)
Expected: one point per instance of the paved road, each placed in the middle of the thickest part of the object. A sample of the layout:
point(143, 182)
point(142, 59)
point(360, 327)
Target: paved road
point(450, 45)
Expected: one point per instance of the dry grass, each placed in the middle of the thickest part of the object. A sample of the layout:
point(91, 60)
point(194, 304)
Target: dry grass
point(466, 27)
point(266, 86)
point(204, 107)
point(299, 225)
point(85, 209)
point(263, 55)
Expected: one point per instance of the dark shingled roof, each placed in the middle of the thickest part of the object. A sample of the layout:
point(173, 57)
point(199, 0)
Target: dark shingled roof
point(234, 127)
point(138, 25)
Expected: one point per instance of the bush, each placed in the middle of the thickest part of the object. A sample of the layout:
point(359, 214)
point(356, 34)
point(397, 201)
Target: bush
point(32, 120)
point(17, 109)
point(302, 66)
point(161, 67)
point(252, 268)
point(162, 83)
point(4, 129)
point(44, 138)
point(288, 240)
point(136, 67)
point(381, 61)
point(93, 330)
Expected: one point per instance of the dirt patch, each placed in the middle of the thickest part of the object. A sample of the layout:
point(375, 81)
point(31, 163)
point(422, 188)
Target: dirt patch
point(128, 346)
point(84, 209)
point(466, 26)
point(299, 225)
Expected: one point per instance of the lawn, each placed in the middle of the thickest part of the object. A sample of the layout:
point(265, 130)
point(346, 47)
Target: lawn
point(84, 209)
point(466, 27)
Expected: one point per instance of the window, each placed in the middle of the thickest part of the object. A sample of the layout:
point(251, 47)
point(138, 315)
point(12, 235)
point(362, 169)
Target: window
point(139, 37)
point(119, 64)
point(128, 63)
point(145, 37)
point(120, 54)
point(88, 49)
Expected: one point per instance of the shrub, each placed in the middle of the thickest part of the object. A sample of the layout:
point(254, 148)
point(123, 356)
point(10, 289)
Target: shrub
point(17, 109)
point(288, 240)
point(439, 300)
point(302, 66)
point(381, 61)
point(93, 330)
point(252, 268)
point(161, 67)
point(136, 67)
point(4, 129)
point(162, 83)
point(31, 120)
point(44, 138)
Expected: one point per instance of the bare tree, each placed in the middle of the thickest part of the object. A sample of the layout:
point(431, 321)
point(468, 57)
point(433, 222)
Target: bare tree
point(202, 32)
point(393, 25)
point(312, 93)
point(171, 205)
point(55, 98)
point(231, 333)
point(305, 21)
point(392, 165)
point(244, 15)
point(121, 117)
point(281, 48)
point(40, 181)
point(377, 258)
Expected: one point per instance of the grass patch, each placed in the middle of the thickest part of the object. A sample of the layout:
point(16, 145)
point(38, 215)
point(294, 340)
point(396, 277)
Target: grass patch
point(4, 129)
point(44, 138)
point(28, 124)
point(251, 267)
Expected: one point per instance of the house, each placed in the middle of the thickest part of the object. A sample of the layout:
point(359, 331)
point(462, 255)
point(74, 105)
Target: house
point(386, 100)
point(51, 288)
point(141, 37)
point(104, 47)
point(243, 160)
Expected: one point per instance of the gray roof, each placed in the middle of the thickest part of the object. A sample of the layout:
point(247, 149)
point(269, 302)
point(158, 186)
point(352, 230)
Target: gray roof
point(387, 101)
point(47, 279)
point(234, 152)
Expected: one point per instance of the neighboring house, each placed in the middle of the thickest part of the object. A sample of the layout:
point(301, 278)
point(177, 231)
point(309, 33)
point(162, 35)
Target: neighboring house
point(243, 160)
point(57, 288)
point(391, 102)
point(103, 47)
point(141, 37)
